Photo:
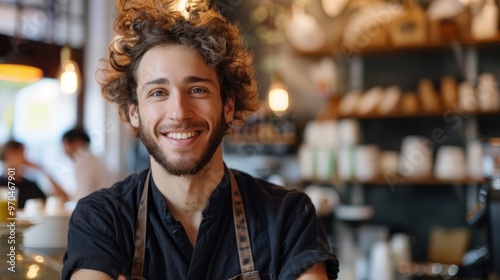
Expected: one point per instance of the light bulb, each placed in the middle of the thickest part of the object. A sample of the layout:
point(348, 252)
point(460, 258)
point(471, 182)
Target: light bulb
point(69, 77)
point(278, 100)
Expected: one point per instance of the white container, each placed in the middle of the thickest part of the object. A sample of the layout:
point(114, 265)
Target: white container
point(346, 164)
point(54, 205)
point(416, 157)
point(321, 134)
point(367, 162)
point(325, 164)
point(348, 132)
point(307, 162)
point(450, 163)
point(34, 207)
point(381, 266)
point(467, 99)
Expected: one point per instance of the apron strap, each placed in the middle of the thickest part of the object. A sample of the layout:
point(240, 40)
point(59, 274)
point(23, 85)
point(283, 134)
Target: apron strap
point(241, 229)
point(140, 232)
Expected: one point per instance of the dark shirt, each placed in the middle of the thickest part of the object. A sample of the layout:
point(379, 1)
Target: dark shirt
point(286, 236)
point(26, 189)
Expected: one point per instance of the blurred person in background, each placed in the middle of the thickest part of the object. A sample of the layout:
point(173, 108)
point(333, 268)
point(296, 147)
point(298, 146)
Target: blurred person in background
point(13, 157)
point(90, 173)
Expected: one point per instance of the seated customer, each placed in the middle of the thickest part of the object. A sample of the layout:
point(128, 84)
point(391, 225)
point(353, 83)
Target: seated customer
point(12, 156)
point(90, 173)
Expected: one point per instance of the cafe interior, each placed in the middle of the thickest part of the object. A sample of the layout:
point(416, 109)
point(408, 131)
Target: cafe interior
point(385, 113)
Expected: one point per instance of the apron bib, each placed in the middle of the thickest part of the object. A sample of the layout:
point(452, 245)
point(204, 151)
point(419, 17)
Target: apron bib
point(248, 271)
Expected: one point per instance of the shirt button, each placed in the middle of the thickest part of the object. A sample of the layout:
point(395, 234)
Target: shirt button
point(176, 233)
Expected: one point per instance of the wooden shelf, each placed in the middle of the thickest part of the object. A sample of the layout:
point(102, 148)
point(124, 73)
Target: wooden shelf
point(329, 112)
point(422, 115)
point(396, 180)
point(339, 49)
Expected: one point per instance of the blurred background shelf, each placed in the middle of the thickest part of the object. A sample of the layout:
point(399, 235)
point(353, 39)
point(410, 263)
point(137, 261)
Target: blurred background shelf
point(396, 180)
point(341, 50)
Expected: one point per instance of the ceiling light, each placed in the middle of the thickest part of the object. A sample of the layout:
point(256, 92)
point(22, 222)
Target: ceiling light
point(16, 67)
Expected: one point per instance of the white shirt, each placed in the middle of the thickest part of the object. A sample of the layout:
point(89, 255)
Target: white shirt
point(90, 174)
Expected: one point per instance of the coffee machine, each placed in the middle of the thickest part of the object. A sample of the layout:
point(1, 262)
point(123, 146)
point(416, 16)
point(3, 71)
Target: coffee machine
point(487, 211)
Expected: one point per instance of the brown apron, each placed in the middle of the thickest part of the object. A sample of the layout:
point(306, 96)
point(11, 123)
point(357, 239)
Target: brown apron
point(248, 271)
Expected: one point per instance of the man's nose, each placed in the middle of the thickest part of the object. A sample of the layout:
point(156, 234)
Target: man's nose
point(179, 107)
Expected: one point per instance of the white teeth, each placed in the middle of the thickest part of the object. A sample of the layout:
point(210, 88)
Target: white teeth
point(181, 136)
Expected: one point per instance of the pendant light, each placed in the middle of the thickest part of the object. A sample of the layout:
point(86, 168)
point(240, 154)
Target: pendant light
point(19, 73)
point(278, 98)
point(70, 75)
point(69, 79)
point(16, 66)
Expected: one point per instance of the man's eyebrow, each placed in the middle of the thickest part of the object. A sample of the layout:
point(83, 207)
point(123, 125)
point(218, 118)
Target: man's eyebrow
point(159, 81)
point(196, 79)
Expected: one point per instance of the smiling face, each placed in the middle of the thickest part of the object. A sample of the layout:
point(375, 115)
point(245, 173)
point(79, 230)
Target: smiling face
point(180, 114)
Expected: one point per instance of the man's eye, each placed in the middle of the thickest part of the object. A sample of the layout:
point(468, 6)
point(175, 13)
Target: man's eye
point(158, 93)
point(198, 90)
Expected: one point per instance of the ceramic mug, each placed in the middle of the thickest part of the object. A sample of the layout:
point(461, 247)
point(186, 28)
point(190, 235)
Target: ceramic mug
point(54, 205)
point(450, 163)
point(416, 157)
point(34, 207)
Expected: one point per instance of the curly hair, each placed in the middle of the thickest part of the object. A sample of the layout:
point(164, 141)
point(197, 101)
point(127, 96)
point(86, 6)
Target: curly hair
point(144, 24)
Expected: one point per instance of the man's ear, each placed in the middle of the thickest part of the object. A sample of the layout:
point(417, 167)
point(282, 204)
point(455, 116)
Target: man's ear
point(229, 108)
point(133, 114)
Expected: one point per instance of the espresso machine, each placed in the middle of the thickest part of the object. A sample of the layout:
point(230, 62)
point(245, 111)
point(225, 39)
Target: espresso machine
point(487, 211)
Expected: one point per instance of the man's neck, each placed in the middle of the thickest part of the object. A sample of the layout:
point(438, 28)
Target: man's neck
point(188, 195)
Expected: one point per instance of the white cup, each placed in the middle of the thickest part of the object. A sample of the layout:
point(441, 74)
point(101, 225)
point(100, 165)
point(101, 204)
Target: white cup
point(349, 132)
point(307, 167)
point(450, 163)
point(34, 207)
point(416, 157)
point(54, 205)
point(346, 162)
point(366, 160)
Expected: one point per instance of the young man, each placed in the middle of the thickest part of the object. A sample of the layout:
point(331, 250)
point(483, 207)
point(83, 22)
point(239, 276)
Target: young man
point(90, 173)
point(181, 80)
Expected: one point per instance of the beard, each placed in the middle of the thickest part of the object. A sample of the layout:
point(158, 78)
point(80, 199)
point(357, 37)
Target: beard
point(187, 165)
